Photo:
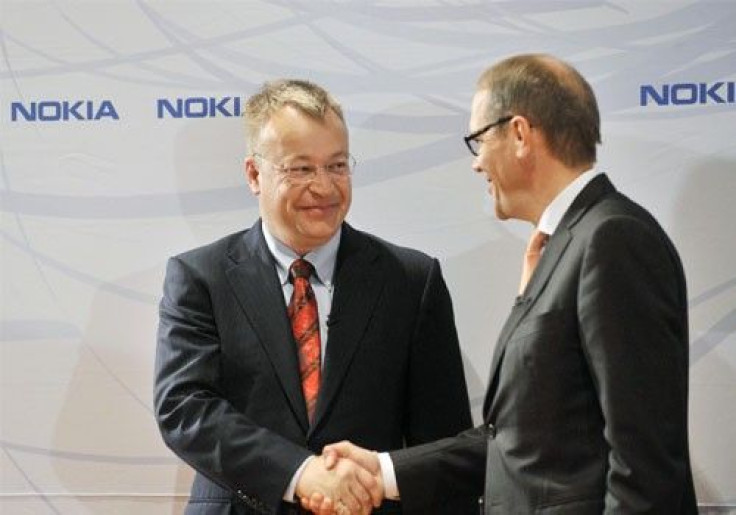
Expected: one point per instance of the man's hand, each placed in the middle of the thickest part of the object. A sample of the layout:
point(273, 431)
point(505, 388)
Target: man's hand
point(363, 457)
point(343, 488)
point(336, 454)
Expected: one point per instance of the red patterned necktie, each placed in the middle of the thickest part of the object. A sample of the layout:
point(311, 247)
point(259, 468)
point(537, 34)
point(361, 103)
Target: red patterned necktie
point(537, 241)
point(305, 327)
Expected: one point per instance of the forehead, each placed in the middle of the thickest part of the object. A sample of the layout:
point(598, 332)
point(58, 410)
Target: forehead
point(292, 128)
point(479, 110)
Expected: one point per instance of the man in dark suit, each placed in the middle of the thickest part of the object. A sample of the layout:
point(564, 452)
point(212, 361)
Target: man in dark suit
point(586, 408)
point(247, 389)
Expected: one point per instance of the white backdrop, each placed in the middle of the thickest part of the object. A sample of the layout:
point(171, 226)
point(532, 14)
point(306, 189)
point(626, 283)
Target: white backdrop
point(121, 145)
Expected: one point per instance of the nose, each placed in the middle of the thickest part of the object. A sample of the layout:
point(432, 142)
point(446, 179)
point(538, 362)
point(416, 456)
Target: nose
point(321, 181)
point(476, 165)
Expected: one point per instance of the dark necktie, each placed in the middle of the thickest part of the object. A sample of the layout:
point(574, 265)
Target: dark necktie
point(305, 327)
point(537, 241)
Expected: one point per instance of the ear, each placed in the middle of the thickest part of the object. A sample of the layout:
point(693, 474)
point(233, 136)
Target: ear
point(253, 175)
point(521, 131)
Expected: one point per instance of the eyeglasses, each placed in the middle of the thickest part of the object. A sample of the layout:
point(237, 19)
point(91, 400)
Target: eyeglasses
point(472, 141)
point(302, 173)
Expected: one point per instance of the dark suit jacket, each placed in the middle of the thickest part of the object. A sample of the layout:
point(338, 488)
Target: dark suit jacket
point(586, 410)
point(228, 398)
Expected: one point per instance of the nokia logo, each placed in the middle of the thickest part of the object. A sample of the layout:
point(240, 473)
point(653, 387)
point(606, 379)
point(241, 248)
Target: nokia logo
point(198, 107)
point(688, 93)
point(62, 111)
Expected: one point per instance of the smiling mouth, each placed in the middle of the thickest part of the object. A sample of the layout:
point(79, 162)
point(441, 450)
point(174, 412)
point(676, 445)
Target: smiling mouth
point(320, 209)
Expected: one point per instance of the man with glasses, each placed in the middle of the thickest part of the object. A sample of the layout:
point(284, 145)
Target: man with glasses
point(586, 408)
point(302, 331)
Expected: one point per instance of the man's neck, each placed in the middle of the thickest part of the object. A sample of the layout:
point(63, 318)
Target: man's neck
point(552, 180)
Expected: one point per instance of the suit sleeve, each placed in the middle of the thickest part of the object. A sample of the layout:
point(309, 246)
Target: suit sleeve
point(633, 322)
point(194, 416)
point(438, 396)
point(452, 468)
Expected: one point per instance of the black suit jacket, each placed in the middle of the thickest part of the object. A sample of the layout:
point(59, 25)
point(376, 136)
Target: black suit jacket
point(586, 410)
point(228, 398)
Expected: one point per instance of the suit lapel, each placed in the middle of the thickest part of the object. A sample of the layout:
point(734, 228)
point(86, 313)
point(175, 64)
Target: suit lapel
point(358, 284)
point(553, 251)
point(255, 284)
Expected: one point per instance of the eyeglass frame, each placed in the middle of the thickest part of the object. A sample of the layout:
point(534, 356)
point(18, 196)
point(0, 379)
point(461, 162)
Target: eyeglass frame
point(470, 138)
point(311, 173)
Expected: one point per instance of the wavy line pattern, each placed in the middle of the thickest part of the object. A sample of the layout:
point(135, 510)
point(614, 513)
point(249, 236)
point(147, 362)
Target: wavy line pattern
point(90, 211)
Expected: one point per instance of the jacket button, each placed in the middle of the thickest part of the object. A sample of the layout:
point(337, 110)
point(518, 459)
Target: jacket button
point(491, 431)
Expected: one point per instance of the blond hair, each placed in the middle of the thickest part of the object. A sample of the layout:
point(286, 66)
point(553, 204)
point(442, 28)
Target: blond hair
point(307, 97)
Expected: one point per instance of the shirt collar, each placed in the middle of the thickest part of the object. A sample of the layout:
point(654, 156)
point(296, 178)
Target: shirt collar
point(553, 213)
point(322, 258)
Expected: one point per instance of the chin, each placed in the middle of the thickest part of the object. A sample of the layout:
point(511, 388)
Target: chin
point(501, 214)
point(321, 235)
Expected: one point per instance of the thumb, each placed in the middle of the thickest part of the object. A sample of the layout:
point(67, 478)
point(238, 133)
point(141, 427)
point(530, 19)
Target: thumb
point(338, 450)
point(330, 457)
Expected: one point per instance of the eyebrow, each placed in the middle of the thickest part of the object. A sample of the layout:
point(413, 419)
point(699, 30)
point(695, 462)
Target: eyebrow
point(306, 157)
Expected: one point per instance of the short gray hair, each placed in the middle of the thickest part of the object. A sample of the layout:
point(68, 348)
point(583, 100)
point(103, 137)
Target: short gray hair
point(554, 96)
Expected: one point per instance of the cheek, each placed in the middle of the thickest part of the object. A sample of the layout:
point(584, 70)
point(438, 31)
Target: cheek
point(486, 162)
point(288, 200)
point(347, 195)
point(280, 199)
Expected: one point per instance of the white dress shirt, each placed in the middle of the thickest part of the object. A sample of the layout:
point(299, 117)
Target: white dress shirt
point(323, 260)
point(553, 213)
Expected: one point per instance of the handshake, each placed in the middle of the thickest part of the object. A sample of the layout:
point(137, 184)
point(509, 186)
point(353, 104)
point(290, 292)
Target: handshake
point(345, 479)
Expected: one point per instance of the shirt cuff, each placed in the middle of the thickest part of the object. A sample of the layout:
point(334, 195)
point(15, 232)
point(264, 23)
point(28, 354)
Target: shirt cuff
point(390, 487)
point(290, 494)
